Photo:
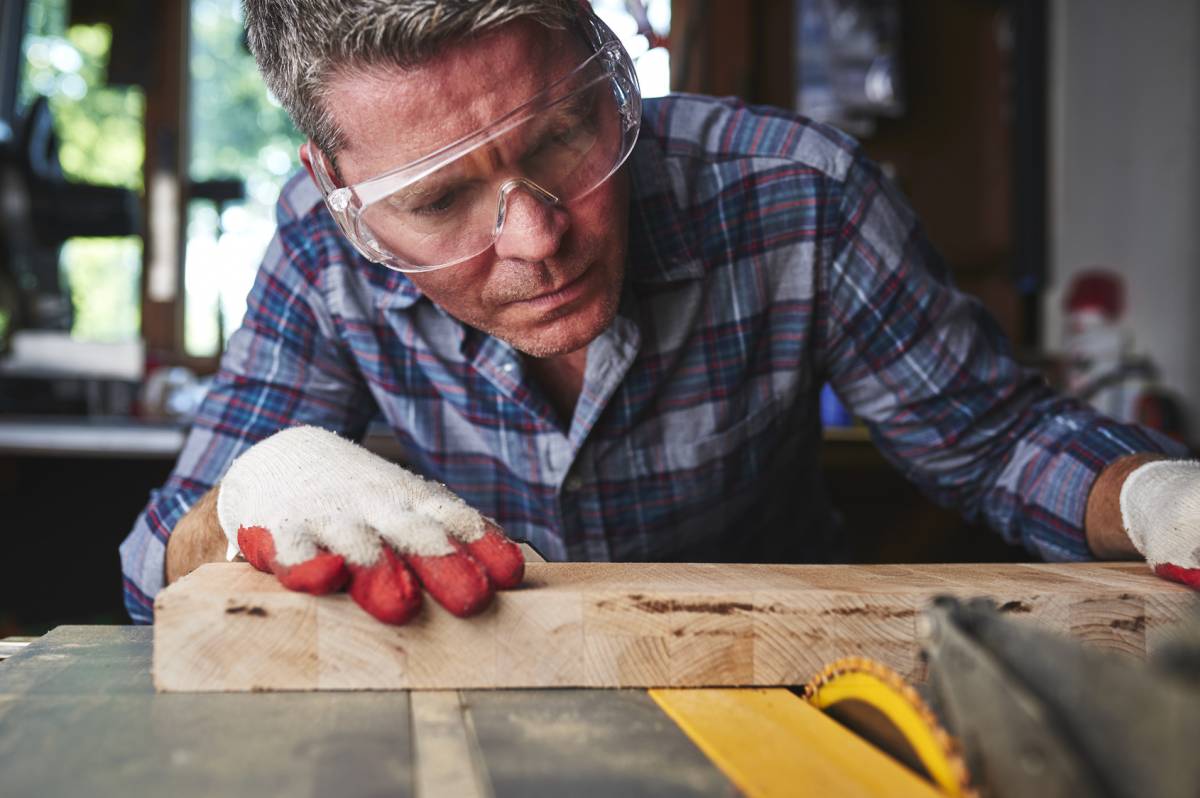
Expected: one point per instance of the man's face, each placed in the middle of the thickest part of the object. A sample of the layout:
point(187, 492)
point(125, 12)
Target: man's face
point(552, 281)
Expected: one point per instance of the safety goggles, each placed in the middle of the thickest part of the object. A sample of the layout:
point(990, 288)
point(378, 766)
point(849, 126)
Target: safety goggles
point(450, 205)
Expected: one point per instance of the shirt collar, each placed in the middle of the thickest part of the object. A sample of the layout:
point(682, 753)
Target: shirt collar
point(658, 247)
point(393, 289)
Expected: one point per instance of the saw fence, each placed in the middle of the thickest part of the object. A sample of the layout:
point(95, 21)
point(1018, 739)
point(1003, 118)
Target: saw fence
point(227, 627)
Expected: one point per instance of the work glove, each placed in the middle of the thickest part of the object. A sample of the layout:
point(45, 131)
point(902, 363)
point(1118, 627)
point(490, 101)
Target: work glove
point(322, 513)
point(1160, 508)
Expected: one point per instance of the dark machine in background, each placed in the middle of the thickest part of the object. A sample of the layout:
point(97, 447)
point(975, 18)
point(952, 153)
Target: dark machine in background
point(40, 209)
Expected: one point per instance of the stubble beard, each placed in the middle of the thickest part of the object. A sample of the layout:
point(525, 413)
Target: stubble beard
point(552, 343)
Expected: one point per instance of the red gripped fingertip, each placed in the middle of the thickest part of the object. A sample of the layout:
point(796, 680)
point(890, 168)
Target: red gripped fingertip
point(1177, 573)
point(456, 581)
point(500, 557)
point(322, 574)
point(386, 589)
point(257, 547)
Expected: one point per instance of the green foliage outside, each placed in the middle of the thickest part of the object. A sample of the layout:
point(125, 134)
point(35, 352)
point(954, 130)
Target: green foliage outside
point(99, 126)
point(237, 130)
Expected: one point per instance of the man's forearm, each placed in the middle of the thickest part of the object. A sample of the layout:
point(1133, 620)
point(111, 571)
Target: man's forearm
point(1103, 525)
point(196, 539)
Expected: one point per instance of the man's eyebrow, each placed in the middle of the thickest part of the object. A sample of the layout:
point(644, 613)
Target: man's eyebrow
point(432, 185)
point(425, 189)
point(415, 192)
point(573, 111)
point(579, 104)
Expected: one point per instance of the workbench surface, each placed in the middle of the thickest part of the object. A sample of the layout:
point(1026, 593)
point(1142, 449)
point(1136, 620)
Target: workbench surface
point(79, 716)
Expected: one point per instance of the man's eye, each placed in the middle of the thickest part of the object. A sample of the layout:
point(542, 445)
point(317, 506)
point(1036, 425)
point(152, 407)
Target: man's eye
point(570, 134)
point(439, 206)
point(566, 135)
point(556, 141)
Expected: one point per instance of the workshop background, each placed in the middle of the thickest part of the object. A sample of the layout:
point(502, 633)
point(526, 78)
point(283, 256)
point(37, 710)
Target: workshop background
point(1052, 150)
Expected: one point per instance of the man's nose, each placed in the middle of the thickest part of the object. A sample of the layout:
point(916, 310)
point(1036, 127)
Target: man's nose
point(533, 225)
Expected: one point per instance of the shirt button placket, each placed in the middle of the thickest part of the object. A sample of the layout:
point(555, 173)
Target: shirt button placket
point(556, 456)
point(578, 490)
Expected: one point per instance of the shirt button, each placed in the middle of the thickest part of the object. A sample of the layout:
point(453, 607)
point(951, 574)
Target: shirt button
point(508, 367)
point(573, 484)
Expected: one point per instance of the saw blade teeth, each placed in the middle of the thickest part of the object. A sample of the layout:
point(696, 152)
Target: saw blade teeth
point(949, 745)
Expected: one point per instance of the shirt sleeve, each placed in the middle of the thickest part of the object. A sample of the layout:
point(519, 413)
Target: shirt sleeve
point(933, 377)
point(283, 367)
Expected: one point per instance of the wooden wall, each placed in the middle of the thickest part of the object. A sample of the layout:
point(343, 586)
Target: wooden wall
point(952, 151)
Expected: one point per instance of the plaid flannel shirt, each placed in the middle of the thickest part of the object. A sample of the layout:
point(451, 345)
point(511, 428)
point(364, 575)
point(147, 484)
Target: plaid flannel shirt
point(767, 256)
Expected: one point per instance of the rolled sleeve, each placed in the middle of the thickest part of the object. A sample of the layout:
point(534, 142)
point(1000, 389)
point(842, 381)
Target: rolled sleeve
point(283, 367)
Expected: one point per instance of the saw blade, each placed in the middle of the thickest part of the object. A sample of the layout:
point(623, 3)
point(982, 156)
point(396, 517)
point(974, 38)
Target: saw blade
point(876, 703)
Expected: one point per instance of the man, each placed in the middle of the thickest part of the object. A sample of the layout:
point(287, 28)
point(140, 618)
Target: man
point(614, 350)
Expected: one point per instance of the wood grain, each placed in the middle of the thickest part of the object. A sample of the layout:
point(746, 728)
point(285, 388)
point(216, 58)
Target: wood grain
point(227, 627)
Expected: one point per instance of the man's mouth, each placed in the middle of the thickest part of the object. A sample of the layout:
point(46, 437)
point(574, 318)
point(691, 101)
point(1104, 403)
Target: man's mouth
point(557, 296)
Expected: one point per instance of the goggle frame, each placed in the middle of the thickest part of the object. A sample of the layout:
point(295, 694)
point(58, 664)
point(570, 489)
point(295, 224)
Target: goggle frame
point(347, 203)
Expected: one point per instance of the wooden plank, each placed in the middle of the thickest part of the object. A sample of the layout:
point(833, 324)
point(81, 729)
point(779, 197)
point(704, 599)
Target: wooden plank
point(773, 743)
point(228, 627)
point(530, 553)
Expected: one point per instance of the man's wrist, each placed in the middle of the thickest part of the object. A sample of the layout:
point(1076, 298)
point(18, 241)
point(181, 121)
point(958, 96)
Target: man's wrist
point(196, 539)
point(1104, 526)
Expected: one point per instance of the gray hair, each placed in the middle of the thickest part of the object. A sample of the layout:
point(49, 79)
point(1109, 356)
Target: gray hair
point(301, 44)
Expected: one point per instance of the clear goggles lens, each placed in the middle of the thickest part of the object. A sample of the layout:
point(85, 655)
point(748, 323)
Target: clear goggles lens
point(450, 205)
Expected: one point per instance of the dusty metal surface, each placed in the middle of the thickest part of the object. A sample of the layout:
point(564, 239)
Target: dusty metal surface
point(79, 716)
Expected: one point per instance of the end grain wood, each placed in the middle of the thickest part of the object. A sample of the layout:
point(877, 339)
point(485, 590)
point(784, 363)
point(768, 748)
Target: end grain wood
point(227, 627)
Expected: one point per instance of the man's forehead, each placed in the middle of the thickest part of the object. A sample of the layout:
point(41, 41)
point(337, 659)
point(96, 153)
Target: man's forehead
point(392, 115)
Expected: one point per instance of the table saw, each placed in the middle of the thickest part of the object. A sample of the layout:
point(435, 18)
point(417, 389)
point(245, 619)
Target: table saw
point(79, 716)
point(79, 713)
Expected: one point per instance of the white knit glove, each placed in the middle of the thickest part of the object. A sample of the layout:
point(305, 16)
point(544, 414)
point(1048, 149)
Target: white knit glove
point(319, 512)
point(1160, 508)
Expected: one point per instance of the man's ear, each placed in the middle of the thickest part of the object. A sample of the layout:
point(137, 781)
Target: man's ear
point(306, 156)
point(314, 160)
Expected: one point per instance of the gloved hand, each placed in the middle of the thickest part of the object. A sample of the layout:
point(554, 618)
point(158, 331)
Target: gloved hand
point(319, 512)
point(1160, 508)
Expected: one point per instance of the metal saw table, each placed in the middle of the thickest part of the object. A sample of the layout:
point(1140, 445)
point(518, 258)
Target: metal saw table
point(79, 716)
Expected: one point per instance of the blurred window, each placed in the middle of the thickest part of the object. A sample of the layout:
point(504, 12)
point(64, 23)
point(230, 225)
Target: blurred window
point(243, 143)
point(101, 140)
point(642, 26)
point(243, 148)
